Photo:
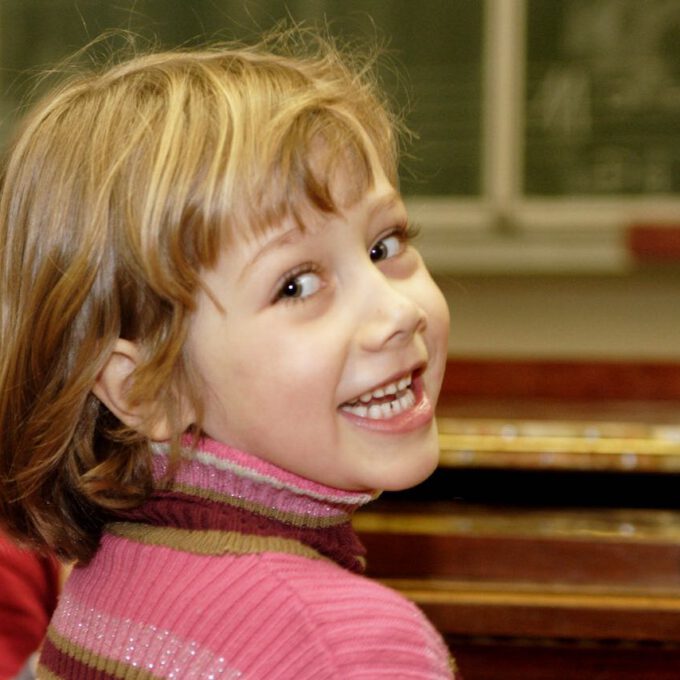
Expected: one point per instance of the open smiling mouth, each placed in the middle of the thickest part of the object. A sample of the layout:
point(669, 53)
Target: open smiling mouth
point(384, 402)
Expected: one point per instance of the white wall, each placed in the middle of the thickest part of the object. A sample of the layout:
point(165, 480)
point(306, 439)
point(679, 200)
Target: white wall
point(634, 317)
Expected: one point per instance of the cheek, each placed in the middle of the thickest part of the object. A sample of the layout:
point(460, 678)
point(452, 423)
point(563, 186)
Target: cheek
point(438, 315)
point(436, 336)
point(281, 367)
point(285, 384)
point(443, 318)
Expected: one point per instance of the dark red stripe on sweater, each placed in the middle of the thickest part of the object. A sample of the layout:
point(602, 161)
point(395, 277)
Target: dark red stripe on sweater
point(64, 665)
point(183, 511)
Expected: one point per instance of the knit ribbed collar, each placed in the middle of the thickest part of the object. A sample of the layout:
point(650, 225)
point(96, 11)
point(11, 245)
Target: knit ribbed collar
point(226, 501)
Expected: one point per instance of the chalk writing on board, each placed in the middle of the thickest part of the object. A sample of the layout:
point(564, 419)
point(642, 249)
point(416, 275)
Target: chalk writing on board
point(603, 97)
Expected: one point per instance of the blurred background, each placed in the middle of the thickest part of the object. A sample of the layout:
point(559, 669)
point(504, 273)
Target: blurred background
point(545, 174)
point(546, 166)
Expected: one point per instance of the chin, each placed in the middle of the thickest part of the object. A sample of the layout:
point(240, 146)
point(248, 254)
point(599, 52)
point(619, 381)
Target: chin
point(412, 474)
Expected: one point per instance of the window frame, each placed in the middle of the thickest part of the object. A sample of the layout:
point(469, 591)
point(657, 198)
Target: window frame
point(503, 231)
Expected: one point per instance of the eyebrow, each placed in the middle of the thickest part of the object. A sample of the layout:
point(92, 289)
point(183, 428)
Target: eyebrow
point(284, 238)
point(385, 202)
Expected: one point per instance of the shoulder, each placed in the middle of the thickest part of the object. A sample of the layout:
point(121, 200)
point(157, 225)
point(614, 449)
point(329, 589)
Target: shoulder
point(270, 615)
point(365, 628)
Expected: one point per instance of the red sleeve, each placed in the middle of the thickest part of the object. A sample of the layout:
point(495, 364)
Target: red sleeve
point(29, 585)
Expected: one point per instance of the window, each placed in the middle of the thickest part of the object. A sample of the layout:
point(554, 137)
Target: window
point(545, 128)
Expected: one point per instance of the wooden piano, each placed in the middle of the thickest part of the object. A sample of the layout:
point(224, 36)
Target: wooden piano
point(547, 544)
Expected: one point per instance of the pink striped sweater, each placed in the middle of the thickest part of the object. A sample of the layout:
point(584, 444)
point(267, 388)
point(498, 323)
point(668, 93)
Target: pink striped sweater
point(241, 570)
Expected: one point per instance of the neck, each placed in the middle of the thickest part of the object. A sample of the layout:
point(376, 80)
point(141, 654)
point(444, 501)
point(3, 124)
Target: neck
point(224, 500)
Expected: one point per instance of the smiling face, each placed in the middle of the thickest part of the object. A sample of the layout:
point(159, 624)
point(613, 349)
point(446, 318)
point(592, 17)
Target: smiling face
point(328, 355)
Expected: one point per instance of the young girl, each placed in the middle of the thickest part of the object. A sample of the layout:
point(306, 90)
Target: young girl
point(217, 343)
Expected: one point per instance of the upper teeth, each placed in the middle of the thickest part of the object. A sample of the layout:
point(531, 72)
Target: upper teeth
point(386, 390)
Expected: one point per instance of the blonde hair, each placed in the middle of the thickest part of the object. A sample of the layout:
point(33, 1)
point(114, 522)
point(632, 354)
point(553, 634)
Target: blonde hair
point(120, 188)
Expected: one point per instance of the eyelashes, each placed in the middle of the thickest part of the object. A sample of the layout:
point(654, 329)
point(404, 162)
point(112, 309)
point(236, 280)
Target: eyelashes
point(411, 231)
point(300, 283)
point(306, 279)
point(393, 243)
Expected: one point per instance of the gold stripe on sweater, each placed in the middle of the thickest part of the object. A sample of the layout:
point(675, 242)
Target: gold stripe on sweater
point(103, 664)
point(292, 518)
point(210, 541)
point(452, 666)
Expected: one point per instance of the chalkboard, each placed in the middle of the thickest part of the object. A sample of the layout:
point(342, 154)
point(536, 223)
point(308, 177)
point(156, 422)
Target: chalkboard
point(602, 97)
point(436, 46)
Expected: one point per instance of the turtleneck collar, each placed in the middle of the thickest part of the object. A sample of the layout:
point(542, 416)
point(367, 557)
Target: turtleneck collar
point(223, 500)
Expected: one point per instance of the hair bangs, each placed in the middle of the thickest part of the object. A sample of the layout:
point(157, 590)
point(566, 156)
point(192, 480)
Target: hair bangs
point(323, 159)
point(121, 189)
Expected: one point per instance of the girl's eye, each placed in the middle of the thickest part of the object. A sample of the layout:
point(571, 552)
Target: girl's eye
point(386, 247)
point(300, 286)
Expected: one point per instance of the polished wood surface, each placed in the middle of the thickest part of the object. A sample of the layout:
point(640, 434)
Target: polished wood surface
point(593, 381)
point(559, 444)
point(513, 659)
point(547, 544)
point(508, 581)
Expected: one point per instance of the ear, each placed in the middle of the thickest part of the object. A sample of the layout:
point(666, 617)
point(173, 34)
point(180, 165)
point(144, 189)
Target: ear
point(112, 389)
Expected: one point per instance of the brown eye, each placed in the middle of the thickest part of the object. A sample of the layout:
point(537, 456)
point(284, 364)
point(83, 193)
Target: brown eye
point(386, 247)
point(291, 289)
point(300, 286)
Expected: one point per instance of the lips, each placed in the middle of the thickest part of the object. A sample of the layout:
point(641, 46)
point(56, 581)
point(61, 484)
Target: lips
point(395, 407)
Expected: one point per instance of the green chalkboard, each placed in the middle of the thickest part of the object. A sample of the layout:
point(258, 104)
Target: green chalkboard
point(602, 97)
point(435, 44)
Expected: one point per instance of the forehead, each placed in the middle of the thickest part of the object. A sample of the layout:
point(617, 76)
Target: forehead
point(323, 152)
point(376, 202)
point(316, 186)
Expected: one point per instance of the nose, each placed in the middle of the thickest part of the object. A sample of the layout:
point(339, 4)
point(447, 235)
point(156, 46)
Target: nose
point(391, 317)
